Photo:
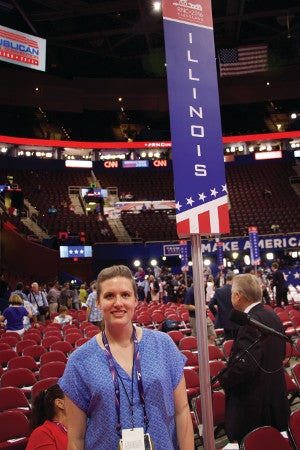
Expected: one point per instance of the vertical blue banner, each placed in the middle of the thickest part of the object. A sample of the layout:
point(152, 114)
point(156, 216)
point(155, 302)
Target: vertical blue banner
point(184, 256)
point(198, 161)
point(254, 248)
point(220, 255)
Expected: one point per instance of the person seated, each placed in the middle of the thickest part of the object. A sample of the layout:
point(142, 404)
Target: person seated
point(48, 421)
point(63, 318)
point(128, 196)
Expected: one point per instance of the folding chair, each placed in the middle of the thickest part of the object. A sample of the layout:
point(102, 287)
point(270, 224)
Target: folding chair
point(53, 332)
point(12, 334)
point(81, 316)
point(23, 361)
point(10, 339)
point(218, 410)
point(265, 438)
point(23, 344)
point(294, 428)
point(14, 430)
point(41, 385)
point(35, 351)
point(6, 355)
point(71, 328)
point(52, 369)
point(54, 326)
point(215, 367)
point(192, 382)
point(157, 318)
point(188, 343)
point(91, 332)
point(176, 336)
point(53, 355)
point(34, 335)
point(81, 341)
point(144, 320)
point(4, 346)
point(192, 359)
point(48, 341)
point(73, 337)
point(22, 378)
point(13, 398)
point(63, 346)
point(215, 353)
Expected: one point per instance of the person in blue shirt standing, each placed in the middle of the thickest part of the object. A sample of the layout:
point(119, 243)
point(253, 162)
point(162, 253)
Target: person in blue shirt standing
point(93, 313)
point(126, 384)
point(14, 315)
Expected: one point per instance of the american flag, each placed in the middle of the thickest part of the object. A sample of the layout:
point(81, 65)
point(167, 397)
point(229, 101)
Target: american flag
point(243, 60)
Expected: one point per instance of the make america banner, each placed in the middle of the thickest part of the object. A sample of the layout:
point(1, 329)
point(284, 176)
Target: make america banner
point(22, 49)
point(199, 171)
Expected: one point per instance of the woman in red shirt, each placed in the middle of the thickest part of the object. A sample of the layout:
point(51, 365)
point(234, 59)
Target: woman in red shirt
point(48, 421)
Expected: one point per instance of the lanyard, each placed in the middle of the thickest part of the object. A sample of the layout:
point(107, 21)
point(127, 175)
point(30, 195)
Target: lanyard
point(60, 425)
point(114, 374)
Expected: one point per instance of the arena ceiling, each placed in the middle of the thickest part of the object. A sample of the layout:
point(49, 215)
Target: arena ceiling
point(124, 40)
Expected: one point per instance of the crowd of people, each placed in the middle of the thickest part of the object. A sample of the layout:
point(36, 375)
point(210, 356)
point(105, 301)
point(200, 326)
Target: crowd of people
point(137, 373)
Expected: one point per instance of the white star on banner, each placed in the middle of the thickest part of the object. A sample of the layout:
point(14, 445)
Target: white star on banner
point(224, 188)
point(202, 196)
point(81, 251)
point(296, 275)
point(190, 201)
point(70, 251)
point(178, 206)
point(76, 251)
point(213, 192)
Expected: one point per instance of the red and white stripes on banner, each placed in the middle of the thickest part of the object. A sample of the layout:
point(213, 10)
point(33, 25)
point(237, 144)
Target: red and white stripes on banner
point(208, 218)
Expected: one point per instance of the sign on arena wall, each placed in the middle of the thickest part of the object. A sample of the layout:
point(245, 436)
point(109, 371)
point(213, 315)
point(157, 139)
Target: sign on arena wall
point(22, 49)
point(198, 161)
point(254, 248)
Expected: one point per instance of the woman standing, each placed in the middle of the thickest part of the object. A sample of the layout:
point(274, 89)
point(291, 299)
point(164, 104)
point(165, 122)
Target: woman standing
point(126, 381)
point(14, 315)
point(48, 421)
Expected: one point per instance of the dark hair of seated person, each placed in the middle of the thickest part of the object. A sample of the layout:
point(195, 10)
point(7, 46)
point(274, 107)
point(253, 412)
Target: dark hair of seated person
point(44, 406)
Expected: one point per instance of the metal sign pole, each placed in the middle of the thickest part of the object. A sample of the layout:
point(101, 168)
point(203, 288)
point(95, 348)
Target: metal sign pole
point(202, 343)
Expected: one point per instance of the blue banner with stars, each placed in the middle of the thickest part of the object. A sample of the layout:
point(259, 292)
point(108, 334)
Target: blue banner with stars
point(198, 161)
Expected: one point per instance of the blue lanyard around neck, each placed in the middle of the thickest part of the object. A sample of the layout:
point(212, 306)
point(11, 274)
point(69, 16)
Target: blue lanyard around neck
point(114, 374)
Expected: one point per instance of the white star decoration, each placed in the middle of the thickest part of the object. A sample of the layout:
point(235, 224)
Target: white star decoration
point(296, 275)
point(190, 201)
point(215, 192)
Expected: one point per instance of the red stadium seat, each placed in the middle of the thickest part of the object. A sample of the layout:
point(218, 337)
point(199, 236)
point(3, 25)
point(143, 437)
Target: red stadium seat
point(53, 355)
point(52, 369)
point(41, 385)
point(265, 438)
point(13, 398)
point(14, 430)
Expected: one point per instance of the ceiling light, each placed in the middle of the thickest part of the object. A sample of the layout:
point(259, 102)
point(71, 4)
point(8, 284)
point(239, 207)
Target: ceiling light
point(157, 6)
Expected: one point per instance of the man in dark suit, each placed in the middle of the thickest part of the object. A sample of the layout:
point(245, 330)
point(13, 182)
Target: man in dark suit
point(279, 283)
point(220, 305)
point(254, 380)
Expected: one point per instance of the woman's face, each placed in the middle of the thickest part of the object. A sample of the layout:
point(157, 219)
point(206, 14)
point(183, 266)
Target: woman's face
point(117, 301)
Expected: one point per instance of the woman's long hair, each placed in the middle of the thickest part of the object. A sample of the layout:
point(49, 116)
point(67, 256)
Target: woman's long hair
point(44, 407)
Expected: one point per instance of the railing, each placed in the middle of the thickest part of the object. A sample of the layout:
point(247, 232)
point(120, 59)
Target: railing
point(294, 179)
